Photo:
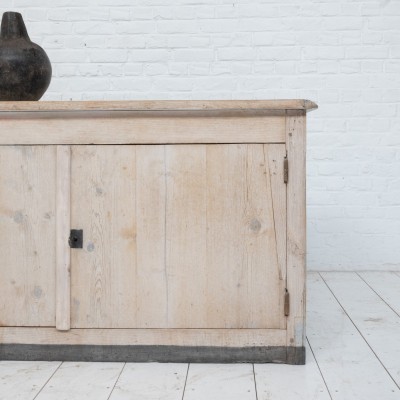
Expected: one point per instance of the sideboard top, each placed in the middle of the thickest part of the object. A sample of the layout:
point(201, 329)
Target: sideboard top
point(156, 105)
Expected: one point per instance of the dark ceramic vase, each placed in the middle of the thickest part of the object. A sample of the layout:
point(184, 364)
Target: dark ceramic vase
point(25, 69)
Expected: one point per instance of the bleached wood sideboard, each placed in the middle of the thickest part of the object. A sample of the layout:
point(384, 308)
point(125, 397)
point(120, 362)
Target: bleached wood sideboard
point(153, 231)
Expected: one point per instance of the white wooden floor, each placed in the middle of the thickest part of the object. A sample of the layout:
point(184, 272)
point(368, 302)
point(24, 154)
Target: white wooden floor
point(353, 352)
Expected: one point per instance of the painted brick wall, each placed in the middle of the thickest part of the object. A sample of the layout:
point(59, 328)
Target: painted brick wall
point(343, 54)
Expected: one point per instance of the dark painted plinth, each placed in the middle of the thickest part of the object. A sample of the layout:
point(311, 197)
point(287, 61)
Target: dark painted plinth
point(177, 354)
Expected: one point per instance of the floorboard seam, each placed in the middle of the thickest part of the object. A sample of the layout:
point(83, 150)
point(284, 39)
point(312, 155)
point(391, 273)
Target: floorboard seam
point(360, 276)
point(116, 381)
point(358, 330)
point(255, 382)
point(319, 368)
point(186, 378)
point(48, 380)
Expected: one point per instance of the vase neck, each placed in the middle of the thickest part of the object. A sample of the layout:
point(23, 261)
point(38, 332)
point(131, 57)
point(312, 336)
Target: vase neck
point(13, 26)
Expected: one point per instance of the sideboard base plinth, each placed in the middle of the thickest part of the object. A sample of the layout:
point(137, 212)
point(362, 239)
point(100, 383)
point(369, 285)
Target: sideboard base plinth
point(177, 354)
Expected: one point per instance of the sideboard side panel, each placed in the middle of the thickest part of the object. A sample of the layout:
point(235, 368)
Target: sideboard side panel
point(296, 227)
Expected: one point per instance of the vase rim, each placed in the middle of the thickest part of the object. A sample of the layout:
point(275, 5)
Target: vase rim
point(12, 12)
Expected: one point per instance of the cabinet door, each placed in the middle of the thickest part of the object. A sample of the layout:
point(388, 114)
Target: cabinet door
point(179, 236)
point(27, 235)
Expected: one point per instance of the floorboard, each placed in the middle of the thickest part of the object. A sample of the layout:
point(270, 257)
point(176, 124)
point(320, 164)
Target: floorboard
point(22, 380)
point(80, 380)
point(150, 381)
point(350, 369)
point(353, 328)
point(220, 382)
point(283, 382)
point(386, 285)
point(376, 322)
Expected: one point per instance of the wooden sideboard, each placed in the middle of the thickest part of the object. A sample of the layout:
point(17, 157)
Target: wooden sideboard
point(153, 231)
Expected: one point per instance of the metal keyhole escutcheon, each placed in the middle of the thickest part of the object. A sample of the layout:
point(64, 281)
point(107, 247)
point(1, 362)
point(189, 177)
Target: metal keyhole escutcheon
point(76, 239)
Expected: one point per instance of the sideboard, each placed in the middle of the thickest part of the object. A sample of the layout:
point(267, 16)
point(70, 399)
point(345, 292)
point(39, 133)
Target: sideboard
point(171, 231)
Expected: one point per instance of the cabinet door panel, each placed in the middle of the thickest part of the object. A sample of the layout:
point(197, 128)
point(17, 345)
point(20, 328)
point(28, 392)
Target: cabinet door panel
point(179, 236)
point(245, 271)
point(27, 235)
point(222, 230)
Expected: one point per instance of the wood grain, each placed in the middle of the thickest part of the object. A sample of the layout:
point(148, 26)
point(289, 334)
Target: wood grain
point(114, 128)
point(177, 205)
point(27, 235)
point(187, 225)
point(183, 105)
point(244, 289)
point(296, 226)
point(63, 259)
point(275, 155)
point(186, 232)
point(172, 337)
point(103, 199)
point(151, 278)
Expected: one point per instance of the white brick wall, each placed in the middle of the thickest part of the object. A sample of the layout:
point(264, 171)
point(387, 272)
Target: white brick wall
point(343, 54)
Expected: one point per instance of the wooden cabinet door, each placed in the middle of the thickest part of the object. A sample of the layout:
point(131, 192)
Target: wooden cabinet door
point(178, 236)
point(27, 235)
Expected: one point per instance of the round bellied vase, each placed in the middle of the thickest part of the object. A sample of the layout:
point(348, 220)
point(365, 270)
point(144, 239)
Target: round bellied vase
point(25, 69)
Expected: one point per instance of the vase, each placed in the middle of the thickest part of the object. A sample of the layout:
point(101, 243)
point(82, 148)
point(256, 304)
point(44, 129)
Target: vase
point(25, 69)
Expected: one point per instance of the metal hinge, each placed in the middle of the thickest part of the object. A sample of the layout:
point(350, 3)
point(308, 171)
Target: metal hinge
point(285, 170)
point(286, 306)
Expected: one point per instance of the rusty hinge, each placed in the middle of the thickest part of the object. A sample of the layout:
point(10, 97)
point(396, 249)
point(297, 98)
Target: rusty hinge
point(286, 306)
point(285, 170)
